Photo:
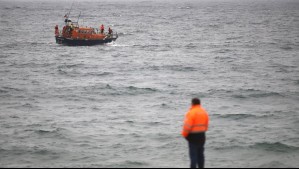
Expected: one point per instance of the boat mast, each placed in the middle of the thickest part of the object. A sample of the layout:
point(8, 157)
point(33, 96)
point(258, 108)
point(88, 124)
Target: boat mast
point(68, 14)
point(78, 19)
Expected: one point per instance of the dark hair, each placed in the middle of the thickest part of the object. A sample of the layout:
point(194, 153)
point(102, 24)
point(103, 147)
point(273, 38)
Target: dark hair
point(196, 101)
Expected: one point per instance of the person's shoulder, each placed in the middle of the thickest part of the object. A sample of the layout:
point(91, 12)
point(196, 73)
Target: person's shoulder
point(204, 110)
point(191, 111)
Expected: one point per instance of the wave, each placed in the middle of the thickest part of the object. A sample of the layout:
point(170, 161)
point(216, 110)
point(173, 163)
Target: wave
point(123, 34)
point(230, 148)
point(191, 46)
point(242, 116)
point(275, 147)
point(108, 90)
point(251, 93)
point(12, 8)
point(185, 7)
point(46, 131)
point(180, 68)
point(283, 66)
point(214, 25)
point(142, 89)
point(243, 93)
point(14, 117)
point(54, 133)
point(128, 164)
point(229, 59)
point(11, 152)
point(129, 122)
point(4, 22)
point(69, 70)
point(32, 65)
point(15, 45)
point(261, 95)
point(149, 47)
point(275, 164)
point(134, 163)
point(8, 89)
point(38, 43)
point(70, 66)
point(164, 106)
point(3, 91)
point(156, 124)
point(235, 38)
point(98, 74)
point(27, 105)
point(222, 51)
point(3, 56)
point(286, 47)
point(115, 44)
point(131, 90)
point(16, 151)
point(119, 55)
point(264, 146)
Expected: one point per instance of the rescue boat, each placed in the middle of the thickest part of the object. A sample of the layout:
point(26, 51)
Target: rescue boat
point(74, 35)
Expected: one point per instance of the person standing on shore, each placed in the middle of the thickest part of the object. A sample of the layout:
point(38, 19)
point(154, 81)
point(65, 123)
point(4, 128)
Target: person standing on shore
point(194, 131)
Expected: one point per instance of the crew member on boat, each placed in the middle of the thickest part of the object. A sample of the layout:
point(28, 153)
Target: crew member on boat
point(102, 29)
point(110, 31)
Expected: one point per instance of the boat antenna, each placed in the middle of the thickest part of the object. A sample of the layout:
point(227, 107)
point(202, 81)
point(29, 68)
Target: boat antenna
point(68, 14)
point(79, 17)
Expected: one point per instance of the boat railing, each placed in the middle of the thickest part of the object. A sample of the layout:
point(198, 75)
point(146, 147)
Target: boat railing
point(76, 24)
point(113, 35)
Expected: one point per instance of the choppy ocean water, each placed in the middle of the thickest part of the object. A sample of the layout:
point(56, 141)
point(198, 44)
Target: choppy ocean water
point(123, 104)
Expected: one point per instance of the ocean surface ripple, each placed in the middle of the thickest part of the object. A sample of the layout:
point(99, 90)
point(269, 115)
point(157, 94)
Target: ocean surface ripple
point(123, 104)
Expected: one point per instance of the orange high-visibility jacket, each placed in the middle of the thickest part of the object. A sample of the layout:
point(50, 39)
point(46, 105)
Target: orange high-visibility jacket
point(197, 121)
